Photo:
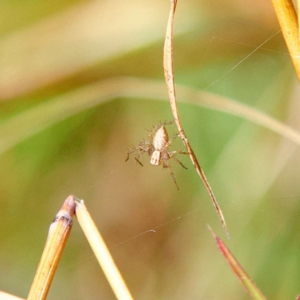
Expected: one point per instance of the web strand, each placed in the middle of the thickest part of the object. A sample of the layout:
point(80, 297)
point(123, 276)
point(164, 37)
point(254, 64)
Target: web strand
point(241, 61)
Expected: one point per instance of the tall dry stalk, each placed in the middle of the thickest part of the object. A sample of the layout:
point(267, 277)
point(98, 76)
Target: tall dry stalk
point(169, 77)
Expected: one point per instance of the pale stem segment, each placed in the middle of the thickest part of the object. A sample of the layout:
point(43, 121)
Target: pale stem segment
point(59, 232)
point(102, 253)
point(6, 296)
point(169, 77)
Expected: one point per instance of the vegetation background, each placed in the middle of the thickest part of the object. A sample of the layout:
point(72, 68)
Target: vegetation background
point(51, 51)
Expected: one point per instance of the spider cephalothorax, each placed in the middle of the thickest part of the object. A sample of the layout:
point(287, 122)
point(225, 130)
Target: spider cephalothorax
point(158, 149)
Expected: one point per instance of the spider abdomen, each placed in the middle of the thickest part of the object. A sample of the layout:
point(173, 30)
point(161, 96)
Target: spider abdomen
point(160, 139)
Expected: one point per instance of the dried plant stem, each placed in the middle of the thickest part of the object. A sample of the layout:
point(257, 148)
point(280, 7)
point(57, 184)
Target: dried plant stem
point(102, 253)
point(288, 21)
point(169, 77)
point(58, 234)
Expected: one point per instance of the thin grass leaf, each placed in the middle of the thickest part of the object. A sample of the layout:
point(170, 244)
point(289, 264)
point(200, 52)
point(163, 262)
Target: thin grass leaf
point(250, 287)
point(36, 119)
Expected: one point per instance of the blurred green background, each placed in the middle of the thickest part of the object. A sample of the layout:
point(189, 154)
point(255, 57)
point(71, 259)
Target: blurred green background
point(54, 52)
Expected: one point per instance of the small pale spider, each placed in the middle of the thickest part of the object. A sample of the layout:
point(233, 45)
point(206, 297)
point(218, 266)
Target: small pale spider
point(158, 149)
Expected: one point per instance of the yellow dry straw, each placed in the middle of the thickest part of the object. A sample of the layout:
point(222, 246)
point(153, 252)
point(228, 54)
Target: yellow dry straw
point(101, 252)
point(58, 234)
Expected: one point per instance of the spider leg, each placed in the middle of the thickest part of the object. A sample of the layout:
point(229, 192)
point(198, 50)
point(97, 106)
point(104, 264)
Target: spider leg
point(178, 161)
point(152, 131)
point(168, 166)
point(137, 159)
point(143, 147)
point(172, 140)
point(130, 151)
point(174, 152)
point(183, 152)
point(167, 122)
point(174, 136)
point(137, 156)
point(173, 176)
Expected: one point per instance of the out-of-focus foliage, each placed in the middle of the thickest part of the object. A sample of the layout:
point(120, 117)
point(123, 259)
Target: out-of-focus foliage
point(50, 49)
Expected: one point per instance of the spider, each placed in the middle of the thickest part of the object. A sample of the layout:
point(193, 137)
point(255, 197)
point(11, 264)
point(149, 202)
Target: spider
point(158, 149)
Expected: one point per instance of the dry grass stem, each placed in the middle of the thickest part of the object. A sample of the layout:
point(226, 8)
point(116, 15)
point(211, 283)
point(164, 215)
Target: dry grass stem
point(169, 77)
point(58, 234)
point(288, 21)
point(102, 253)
